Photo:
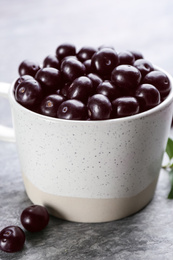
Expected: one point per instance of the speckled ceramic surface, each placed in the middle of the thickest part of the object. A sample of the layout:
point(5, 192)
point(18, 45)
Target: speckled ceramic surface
point(110, 159)
point(99, 160)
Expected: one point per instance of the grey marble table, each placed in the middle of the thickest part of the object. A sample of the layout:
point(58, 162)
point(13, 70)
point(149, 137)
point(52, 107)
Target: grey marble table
point(33, 29)
point(145, 235)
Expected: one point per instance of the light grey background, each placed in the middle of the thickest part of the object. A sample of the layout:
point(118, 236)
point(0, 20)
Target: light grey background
point(32, 30)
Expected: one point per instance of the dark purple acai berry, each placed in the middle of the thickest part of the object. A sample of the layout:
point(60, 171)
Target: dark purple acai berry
point(51, 61)
point(105, 46)
point(148, 96)
point(125, 106)
point(21, 79)
point(160, 80)
point(126, 57)
point(87, 64)
point(49, 78)
point(29, 94)
point(12, 239)
point(81, 89)
point(69, 58)
point(144, 66)
point(64, 89)
point(126, 77)
point(86, 53)
point(96, 80)
point(108, 89)
point(64, 50)
point(99, 107)
point(137, 54)
point(72, 109)
point(28, 67)
point(71, 69)
point(104, 61)
point(50, 104)
point(34, 218)
point(91, 84)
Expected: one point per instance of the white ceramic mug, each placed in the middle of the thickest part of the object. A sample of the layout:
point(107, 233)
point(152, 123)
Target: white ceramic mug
point(90, 171)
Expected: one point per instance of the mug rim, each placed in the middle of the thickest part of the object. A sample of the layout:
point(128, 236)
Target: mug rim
point(144, 114)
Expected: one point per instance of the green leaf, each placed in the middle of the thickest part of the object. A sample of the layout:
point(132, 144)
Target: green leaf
point(169, 148)
point(170, 195)
point(171, 165)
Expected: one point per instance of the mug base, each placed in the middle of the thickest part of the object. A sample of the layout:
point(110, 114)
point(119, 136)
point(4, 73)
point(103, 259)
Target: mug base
point(89, 210)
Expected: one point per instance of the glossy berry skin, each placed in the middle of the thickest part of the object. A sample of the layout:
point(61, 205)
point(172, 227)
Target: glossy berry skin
point(108, 89)
point(126, 77)
point(160, 80)
point(126, 57)
point(96, 80)
point(64, 50)
point(28, 67)
point(49, 78)
point(125, 106)
point(144, 66)
point(21, 79)
point(99, 107)
point(71, 69)
point(86, 53)
point(137, 54)
point(51, 61)
point(50, 104)
point(71, 84)
point(12, 239)
point(72, 109)
point(80, 89)
point(148, 96)
point(34, 218)
point(87, 64)
point(29, 94)
point(64, 89)
point(104, 61)
point(69, 58)
point(105, 46)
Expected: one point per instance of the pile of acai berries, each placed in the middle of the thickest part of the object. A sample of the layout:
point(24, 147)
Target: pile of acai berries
point(90, 84)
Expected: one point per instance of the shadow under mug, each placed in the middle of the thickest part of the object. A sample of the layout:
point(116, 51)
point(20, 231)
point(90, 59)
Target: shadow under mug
point(89, 171)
